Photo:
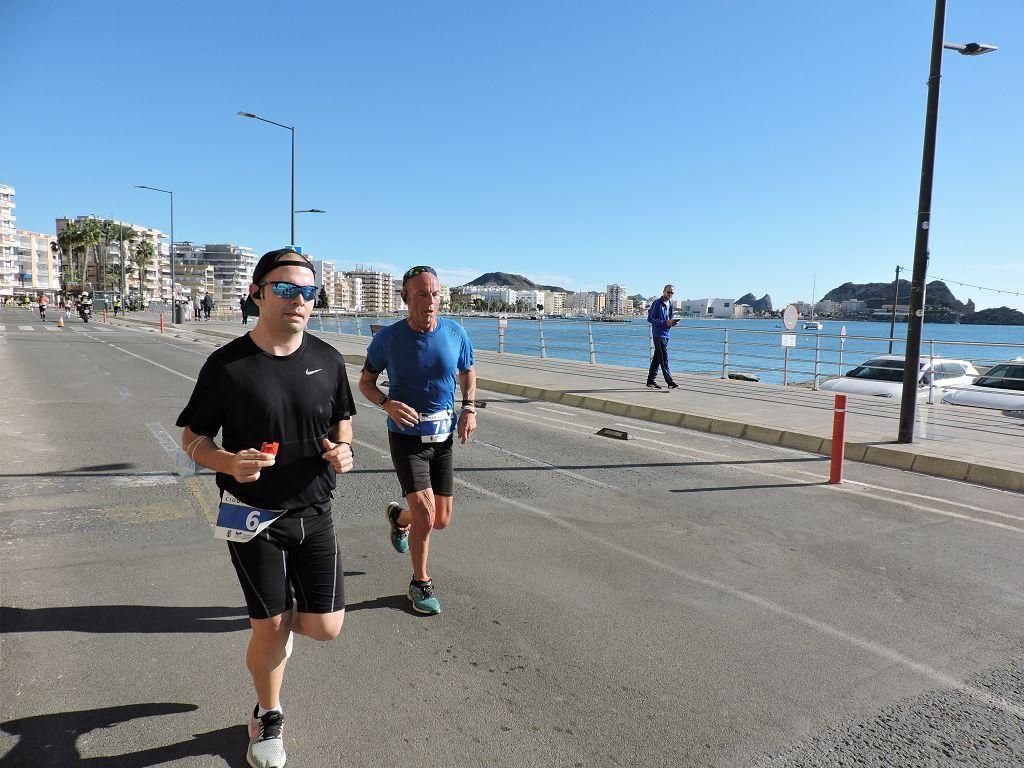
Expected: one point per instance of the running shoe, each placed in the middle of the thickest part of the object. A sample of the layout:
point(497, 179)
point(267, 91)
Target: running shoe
point(399, 535)
point(673, 385)
point(266, 740)
point(653, 385)
point(421, 593)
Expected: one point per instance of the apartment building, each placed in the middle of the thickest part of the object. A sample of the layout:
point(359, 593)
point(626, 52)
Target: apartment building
point(617, 300)
point(8, 260)
point(232, 269)
point(103, 268)
point(348, 292)
point(39, 263)
point(326, 278)
point(194, 275)
point(554, 302)
point(377, 288)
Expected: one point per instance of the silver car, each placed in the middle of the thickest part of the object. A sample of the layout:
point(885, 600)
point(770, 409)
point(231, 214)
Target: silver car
point(882, 376)
point(1001, 387)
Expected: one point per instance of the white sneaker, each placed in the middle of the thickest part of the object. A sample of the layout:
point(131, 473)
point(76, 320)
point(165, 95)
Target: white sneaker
point(266, 740)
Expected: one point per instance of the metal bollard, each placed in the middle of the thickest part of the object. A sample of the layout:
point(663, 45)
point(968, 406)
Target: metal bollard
point(785, 366)
point(590, 341)
point(725, 355)
point(817, 360)
point(838, 441)
point(501, 340)
point(161, 322)
point(543, 349)
point(931, 372)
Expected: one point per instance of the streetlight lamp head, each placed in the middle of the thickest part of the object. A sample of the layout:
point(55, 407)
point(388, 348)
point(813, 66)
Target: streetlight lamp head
point(246, 114)
point(970, 49)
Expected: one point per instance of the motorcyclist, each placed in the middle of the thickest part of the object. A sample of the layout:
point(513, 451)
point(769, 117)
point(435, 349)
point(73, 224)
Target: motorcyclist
point(85, 306)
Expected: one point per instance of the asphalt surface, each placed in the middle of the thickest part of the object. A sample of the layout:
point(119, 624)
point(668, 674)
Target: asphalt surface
point(678, 599)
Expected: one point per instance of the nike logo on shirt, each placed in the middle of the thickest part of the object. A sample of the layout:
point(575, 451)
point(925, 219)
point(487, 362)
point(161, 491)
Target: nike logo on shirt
point(310, 373)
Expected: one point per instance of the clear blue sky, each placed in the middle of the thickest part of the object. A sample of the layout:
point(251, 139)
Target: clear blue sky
point(725, 147)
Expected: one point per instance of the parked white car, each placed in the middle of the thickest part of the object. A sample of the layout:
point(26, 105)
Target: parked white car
point(1001, 387)
point(882, 376)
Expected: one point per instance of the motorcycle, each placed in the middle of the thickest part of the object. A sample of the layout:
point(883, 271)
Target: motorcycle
point(86, 312)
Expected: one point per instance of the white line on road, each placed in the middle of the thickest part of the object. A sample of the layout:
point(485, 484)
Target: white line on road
point(554, 410)
point(124, 392)
point(888, 654)
point(640, 429)
point(50, 327)
point(25, 328)
point(163, 437)
point(3, 327)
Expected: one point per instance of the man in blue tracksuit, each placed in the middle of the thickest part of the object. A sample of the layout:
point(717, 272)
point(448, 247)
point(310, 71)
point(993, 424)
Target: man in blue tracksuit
point(660, 318)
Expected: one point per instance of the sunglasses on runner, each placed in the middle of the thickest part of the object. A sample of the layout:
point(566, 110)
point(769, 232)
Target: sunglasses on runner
point(417, 271)
point(290, 290)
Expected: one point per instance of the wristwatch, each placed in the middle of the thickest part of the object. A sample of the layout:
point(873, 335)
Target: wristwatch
point(383, 400)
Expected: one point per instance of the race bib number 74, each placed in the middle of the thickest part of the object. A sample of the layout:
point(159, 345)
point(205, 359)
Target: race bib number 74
point(237, 521)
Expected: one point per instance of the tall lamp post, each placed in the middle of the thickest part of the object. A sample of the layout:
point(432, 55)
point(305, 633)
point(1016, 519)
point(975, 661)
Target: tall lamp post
point(915, 320)
point(171, 253)
point(292, 129)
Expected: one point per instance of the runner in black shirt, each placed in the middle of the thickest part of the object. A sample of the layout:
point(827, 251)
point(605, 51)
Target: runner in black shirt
point(277, 385)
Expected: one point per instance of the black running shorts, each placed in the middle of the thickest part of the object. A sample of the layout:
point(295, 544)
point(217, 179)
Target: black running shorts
point(296, 556)
point(423, 465)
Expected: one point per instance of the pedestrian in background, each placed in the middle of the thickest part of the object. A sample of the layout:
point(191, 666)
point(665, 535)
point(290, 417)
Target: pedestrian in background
point(207, 306)
point(245, 311)
point(662, 322)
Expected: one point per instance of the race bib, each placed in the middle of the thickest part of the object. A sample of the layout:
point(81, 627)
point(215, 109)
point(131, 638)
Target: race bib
point(240, 522)
point(436, 427)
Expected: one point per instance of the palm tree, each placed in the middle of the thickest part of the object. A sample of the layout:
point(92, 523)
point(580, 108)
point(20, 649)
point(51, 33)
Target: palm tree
point(69, 241)
point(122, 234)
point(144, 253)
point(92, 234)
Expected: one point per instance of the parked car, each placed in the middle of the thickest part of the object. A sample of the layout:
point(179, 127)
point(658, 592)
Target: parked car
point(1001, 387)
point(882, 376)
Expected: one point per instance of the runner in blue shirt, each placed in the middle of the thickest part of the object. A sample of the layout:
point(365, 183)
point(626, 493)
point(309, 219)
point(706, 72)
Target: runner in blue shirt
point(423, 355)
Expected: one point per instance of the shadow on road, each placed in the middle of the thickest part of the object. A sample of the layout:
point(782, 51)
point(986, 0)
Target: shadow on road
point(48, 741)
point(124, 618)
point(394, 602)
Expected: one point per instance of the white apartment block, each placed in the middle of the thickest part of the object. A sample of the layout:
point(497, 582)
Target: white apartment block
point(194, 275)
point(8, 261)
point(554, 302)
point(499, 293)
point(38, 263)
point(532, 299)
point(232, 269)
point(378, 290)
point(617, 301)
point(446, 298)
point(325, 278)
point(348, 292)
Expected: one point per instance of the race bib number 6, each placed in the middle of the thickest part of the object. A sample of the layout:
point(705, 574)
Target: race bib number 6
point(237, 521)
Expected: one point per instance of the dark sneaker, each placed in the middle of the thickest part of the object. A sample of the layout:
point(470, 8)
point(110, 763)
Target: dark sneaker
point(266, 740)
point(421, 593)
point(653, 385)
point(673, 385)
point(399, 535)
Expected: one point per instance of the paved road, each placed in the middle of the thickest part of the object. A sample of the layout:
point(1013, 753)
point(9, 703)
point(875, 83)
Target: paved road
point(680, 599)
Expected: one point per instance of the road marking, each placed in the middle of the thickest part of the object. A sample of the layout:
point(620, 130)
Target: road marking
point(553, 410)
point(545, 465)
point(140, 357)
point(124, 392)
point(869, 646)
point(163, 437)
point(661, 446)
point(25, 328)
point(641, 429)
point(50, 327)
point(3, 327)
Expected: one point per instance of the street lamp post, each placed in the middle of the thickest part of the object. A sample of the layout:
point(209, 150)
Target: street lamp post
point(915, 320)
point(292, 129)
point(171, 253)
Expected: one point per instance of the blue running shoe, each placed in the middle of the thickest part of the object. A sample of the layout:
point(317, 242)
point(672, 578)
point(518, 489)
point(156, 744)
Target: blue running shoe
point(421, 593)
point(399, 535)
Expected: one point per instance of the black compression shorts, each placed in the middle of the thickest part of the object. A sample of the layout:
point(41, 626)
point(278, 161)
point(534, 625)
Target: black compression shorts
point(423, 465)
point(296, 556)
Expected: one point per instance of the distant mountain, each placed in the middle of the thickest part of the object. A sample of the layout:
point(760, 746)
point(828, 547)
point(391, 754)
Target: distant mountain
point(937, 295)
point(515, 282)
point(638, 298)
point(764, 304)
point(995, 316)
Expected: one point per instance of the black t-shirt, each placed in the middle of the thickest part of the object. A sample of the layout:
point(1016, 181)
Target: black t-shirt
point(255, 397)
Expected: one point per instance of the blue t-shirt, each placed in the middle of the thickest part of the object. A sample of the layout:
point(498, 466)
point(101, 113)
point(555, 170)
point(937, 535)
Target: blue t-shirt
point(421, 366)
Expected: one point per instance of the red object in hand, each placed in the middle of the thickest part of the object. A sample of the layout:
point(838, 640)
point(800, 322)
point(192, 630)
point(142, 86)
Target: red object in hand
point(270, 448)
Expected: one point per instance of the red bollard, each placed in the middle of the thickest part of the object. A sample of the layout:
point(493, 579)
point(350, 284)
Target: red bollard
point(838, 440)
point(104, 313)
point(161, 322)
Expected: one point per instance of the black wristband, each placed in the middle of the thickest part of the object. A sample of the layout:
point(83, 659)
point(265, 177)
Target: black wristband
point(383, 400)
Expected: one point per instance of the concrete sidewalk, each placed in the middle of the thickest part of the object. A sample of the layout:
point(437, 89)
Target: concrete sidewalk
point(976, 445)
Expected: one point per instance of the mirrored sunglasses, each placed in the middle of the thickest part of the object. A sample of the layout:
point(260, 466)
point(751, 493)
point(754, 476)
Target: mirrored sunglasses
point(290, 290)
point(418, 271)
